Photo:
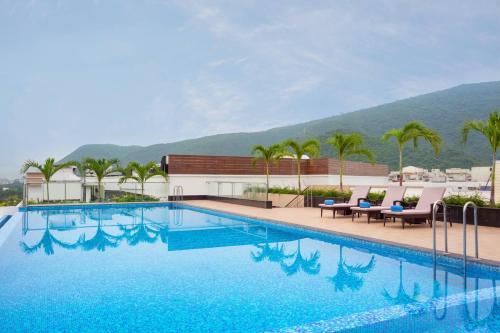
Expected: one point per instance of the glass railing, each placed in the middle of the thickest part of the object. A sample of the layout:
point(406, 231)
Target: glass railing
point(237, 190)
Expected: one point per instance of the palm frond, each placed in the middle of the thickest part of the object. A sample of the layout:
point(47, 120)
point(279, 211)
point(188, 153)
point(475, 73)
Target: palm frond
point(30, 164)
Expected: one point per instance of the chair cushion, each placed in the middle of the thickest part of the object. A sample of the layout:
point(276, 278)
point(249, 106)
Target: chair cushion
point(396, 208)
point(364, 204)
point(329, 202)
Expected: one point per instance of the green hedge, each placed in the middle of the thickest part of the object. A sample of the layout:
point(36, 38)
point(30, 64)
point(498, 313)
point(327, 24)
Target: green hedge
point(282, 190)
point(412, 199)
point(457, 200)
point(460, 200)
point(133, 198)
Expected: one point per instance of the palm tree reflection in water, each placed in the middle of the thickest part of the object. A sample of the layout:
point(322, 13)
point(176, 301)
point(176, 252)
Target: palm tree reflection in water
point(144, 233)
point(101, 240)
point(347, 275)
point(277, 254)
point(402, 297)
point(47, 241)
point(310, 265)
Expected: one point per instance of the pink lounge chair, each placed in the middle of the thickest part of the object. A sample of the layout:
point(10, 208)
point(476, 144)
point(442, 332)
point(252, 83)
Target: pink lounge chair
point(423, 210)
point(393, 195)
point(359, 194)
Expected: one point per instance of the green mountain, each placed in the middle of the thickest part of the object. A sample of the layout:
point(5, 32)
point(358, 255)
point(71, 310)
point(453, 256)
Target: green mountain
point(445, 111)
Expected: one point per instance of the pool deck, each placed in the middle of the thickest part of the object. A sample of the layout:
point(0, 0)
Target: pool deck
point(414, 236)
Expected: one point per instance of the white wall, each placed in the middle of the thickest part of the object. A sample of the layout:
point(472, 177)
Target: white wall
point(57, 191)
point(155, 186)
point(197, 184)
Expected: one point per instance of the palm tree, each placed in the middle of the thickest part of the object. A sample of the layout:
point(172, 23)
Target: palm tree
point(310, 265)
point(141, 173)
point(310, 147)
point(347, 145)
point(347, 275)
point(491, 131)
point(101, 168)
point(412, 131)
point(48, 169)
point(268, 155)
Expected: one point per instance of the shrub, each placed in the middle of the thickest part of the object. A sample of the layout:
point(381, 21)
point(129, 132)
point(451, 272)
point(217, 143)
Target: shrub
point(255, 189)
point(376, 196)
point(282, 190)
point(333, 193)
point(411, 200)
point(10, 201)
point(460, 200)
point(133, 198)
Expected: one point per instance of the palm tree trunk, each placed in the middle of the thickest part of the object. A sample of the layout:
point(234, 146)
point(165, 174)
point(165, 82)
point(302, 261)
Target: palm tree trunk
point(99, 190)
point(142, 190)
point(83, 188)
point(298, 174)
point(400, 166)
point(267, 181)
point(341, 172)
point(493, 170)
point(47, 185)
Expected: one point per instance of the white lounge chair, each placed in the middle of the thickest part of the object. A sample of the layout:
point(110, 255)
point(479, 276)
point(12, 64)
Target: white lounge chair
point(423, 210)
point(393, 195)
point(358, 194)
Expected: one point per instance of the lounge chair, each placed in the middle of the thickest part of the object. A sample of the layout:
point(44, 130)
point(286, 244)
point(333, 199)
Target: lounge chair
point(393, 195)
point(423, 210)
point(359, 194)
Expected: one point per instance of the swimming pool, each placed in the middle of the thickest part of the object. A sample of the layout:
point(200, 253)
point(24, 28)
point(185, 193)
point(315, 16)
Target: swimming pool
point(175, 268)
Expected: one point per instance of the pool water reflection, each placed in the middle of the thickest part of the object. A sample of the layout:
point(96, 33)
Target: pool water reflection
point(173, 268)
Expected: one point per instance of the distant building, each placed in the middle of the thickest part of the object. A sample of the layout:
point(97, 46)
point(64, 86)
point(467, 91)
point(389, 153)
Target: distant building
point(415, 174)
point(480, 174)
point(458, 175)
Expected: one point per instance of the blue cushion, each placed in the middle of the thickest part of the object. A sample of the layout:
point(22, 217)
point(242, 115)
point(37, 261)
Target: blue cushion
point(329, 202)
point(364, 204)
point(396, 208)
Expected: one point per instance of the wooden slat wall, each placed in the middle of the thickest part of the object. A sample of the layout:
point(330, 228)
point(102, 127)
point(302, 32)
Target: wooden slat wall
point(237, 165)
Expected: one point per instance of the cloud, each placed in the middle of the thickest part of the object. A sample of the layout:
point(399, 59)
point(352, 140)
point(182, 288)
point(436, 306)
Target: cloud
point(232, 61)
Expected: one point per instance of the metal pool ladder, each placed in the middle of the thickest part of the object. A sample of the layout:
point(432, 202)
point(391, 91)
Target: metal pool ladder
point(464, 227)
point(467, 204)
point(445, 219)
point(178, 193)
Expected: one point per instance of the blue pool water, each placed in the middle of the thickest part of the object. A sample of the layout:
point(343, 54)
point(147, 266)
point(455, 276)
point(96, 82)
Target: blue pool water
point(172, 268)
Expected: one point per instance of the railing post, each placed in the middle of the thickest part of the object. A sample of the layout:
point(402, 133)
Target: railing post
point(464, 222)
point(435, 206)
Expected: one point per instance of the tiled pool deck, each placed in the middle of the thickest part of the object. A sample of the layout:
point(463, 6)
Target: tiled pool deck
point(415, 236)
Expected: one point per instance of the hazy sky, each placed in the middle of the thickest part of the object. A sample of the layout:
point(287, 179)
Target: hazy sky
point(145, 72)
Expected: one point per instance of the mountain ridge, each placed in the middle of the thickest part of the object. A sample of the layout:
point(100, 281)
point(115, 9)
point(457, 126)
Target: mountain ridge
point(449, 106)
